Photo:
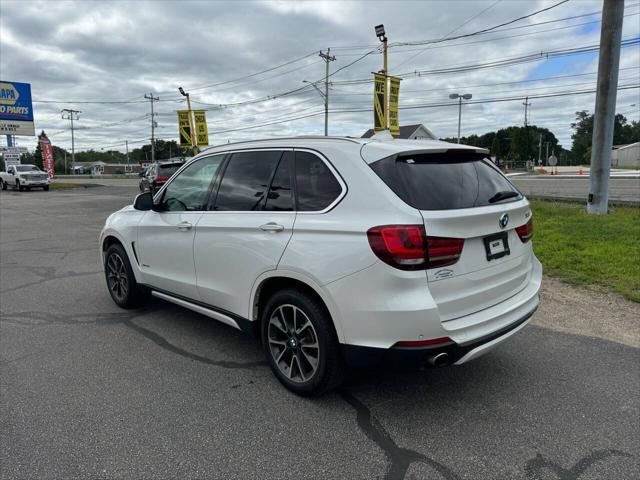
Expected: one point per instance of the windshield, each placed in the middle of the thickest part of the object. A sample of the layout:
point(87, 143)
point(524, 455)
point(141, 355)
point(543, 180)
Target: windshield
point(445, 181)
point(26, 168)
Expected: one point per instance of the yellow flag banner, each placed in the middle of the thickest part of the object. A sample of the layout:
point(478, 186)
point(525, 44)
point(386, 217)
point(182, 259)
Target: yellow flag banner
point(202, 135)
point(184, 128)
point(394, 95)
point(379, 101)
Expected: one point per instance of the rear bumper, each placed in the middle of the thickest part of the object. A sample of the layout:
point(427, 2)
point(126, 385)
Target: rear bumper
point(358, 356)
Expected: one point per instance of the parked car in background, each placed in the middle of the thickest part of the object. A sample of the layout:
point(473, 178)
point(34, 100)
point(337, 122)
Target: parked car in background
point(157, 175)
point(336, 252)
point(22, 177)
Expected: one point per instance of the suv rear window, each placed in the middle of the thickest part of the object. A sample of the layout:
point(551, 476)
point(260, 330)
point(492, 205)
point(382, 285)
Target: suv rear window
point(445, 181)
point(168, 170)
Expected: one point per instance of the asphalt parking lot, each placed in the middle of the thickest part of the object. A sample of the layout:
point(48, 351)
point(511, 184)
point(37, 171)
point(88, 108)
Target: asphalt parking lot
point(89, 390)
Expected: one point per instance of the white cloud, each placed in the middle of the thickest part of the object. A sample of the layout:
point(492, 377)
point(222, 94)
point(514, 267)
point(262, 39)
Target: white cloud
point(113, 50)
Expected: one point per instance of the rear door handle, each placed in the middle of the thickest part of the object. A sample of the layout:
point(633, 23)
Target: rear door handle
point(271, 227)
point(184, 226)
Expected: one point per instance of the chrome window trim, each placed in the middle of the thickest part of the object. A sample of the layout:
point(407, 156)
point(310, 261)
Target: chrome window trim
point(326, 161)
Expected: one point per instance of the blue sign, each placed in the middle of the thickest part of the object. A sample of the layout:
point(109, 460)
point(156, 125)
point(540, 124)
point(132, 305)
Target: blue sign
point(15, 101)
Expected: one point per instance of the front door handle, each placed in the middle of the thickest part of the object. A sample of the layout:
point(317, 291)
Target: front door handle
point(184, 226)
point(271, 227)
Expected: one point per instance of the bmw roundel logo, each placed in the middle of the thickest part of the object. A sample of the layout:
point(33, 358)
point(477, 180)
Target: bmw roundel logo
point(504, 220)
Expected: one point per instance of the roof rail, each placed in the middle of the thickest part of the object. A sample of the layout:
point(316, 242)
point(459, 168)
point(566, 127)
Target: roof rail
point(300, 137)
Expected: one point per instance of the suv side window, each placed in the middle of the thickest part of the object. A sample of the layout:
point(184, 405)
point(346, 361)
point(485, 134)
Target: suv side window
point(245, 180)
point(316, 186)
point(280, 197)
point(190, 189)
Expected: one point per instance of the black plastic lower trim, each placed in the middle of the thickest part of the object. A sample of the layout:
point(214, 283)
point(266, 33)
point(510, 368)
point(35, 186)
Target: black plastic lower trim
point(357, 356)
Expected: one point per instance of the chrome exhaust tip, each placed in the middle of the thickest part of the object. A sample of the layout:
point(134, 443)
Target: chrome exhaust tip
point(439, 360)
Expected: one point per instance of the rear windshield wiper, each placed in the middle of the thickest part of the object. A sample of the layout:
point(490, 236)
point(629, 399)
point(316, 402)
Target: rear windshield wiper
point(503, 196)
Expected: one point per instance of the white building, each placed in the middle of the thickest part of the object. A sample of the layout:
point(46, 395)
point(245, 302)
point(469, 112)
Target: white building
point(626, 155)
point(410, 132)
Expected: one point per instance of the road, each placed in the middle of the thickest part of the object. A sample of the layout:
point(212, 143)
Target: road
point(89, 390)
point(626, 190)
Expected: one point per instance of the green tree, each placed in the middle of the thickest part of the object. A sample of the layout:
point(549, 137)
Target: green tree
point(495, 148)
point(37, 157)
point(623, 133)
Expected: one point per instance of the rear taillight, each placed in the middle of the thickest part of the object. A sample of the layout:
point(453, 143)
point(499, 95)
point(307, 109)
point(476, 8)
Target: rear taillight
point(444, 251)
point(525, 232)
point(161, 178)
point(407, 247)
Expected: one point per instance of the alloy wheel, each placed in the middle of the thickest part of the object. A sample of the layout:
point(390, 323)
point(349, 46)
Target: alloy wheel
point(117, 276)
point(293, 343)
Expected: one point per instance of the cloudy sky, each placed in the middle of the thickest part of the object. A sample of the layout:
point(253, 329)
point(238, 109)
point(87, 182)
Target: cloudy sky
point(76, 54)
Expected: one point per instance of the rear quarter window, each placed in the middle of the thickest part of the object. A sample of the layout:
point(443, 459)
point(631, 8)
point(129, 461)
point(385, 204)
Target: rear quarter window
point(316, 186)
point(444, 181)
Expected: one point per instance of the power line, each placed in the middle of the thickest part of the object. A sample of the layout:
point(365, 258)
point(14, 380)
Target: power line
point(531, 80)
point(432, 105)
point(420, 52)
point(485, 30)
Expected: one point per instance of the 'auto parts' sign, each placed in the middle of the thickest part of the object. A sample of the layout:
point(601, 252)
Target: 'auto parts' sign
point(16, 110)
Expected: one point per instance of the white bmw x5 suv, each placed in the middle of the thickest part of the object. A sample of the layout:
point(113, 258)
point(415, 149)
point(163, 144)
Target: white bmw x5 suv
point(335, 252)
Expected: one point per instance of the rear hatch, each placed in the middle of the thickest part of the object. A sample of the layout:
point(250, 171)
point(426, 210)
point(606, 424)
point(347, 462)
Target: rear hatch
point(462, 195)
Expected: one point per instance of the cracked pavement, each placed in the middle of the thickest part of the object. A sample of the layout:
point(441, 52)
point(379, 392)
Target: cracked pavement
point(89, 390)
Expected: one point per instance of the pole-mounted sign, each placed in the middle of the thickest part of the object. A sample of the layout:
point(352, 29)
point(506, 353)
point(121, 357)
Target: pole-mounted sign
point(16, 111)
point(394, 126)
point(184, 128)
point(202, 134)
point(379, 102)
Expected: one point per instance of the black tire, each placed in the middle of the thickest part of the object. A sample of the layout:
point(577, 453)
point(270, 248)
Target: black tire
point(329, 370)
point(45, 188)
point(3, 184)
point(19, 187)
point(117, 270)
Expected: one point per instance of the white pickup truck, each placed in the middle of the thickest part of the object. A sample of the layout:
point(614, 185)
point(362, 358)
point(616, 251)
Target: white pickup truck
point(24, 176)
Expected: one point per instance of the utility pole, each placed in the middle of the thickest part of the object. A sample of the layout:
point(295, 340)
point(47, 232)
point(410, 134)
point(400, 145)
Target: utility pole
point(71, 115)
point(151, 98)
point(327, 58)
point(526, 106)
point(126, 143)
point(603, 118)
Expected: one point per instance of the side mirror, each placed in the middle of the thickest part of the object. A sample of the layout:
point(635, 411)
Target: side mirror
point(143, 201)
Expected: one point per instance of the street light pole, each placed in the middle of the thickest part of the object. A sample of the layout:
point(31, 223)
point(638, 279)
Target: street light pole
point(194, 147)
point(460, 97)
point(382, 36)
